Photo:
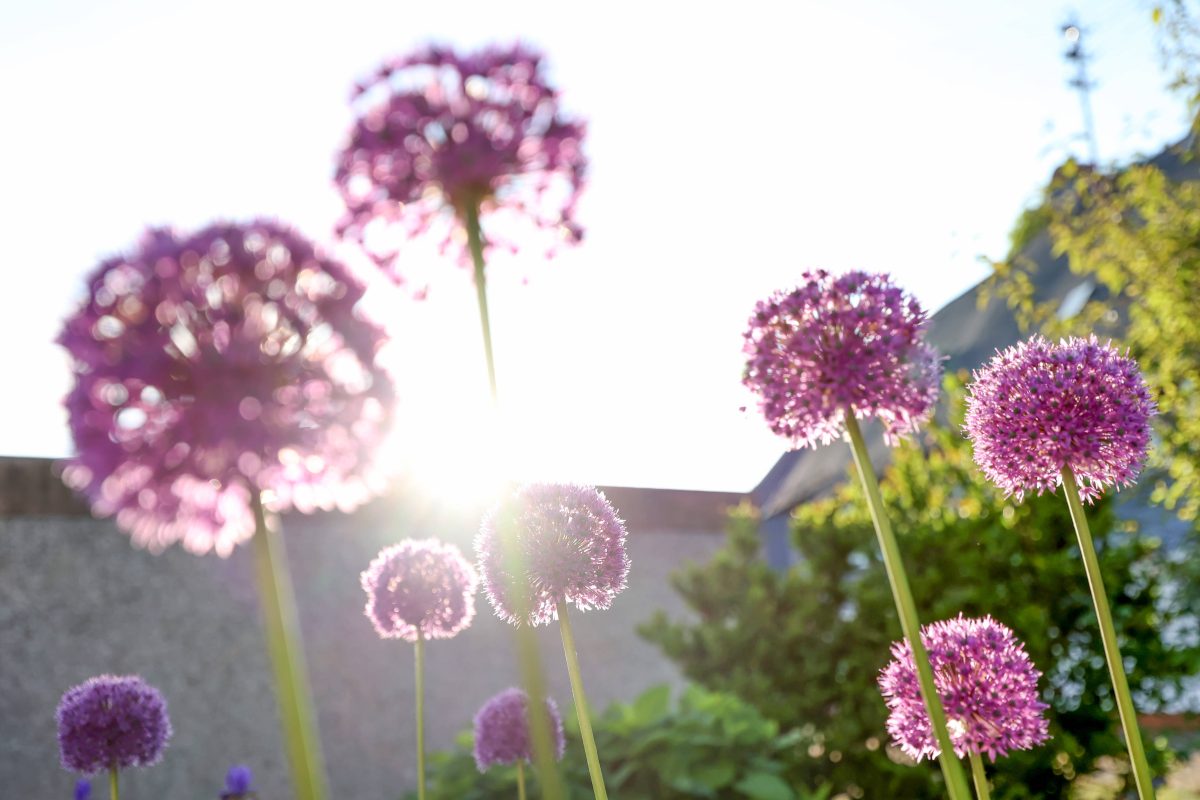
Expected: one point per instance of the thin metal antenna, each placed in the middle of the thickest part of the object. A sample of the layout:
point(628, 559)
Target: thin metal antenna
point(1075, 54)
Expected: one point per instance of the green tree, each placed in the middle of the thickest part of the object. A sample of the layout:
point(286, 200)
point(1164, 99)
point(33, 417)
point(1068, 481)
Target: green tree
point(1136, 235)
point(805, 646)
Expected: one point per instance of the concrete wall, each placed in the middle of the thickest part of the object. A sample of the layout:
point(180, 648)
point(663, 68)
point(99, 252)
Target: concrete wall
point(77, 600)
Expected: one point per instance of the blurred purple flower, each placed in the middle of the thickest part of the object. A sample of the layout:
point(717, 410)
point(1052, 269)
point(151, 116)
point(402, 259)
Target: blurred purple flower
point(83, 789)
point(438, 132)
point(987, 684)
point(111, 722)
point(1038, 407)
point(237, 783)
point(835, 343)
point(420, 585)
point(502, 730)
point(570, 544)
point(212, 365)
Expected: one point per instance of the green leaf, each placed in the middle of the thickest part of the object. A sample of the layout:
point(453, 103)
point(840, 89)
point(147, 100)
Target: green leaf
point(765, 786)
point(653, 704)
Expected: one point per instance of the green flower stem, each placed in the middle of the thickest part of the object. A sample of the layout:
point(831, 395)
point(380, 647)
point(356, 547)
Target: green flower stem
point(981, 784)
point(419, 671)
point(112, 784)
point(475, 242)
point(530, 662)
point(521, 778)
point(581, 706)
point(1108, 635)
point(528, 655)
point(956, 781)
point(287, 660)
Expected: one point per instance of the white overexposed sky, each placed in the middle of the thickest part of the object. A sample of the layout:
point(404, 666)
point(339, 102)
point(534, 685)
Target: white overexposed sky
point(731, 148)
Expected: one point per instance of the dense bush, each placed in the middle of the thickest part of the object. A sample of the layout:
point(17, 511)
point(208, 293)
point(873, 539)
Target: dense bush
point(711, 745)
point(805, 646)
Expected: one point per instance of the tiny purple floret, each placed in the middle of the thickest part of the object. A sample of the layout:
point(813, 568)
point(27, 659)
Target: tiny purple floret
point(83, 789)
point(1038, 407)
point(438, 132)
point(502, 730)
point(987, 684)
point(212, 365)
point(565, 543)
point(237, 783)
point(420, 588)
point(112, 722)
point(855, 342)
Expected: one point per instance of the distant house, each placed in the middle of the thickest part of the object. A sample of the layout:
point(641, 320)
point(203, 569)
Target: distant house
point(967, 335)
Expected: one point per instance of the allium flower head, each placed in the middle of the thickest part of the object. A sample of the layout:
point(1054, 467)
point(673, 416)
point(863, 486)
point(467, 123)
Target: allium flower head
point(237, 783)
point(210, 365)
point(420, 586)
point(112, 722)
point(1038, 407)
point(440, 132)
point(854, 342)
point(987, 684)
point(502, 730)
point(569, 543)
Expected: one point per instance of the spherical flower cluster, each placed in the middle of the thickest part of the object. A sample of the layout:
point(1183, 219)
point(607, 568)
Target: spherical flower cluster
point(237, 783)
point(440, 135)
point(1038, 407)
point(110, 722)
point(853, 343)
point(987, 684)
point(502, 730)
point(551, 543)
point(420, 588)
point(218, 364)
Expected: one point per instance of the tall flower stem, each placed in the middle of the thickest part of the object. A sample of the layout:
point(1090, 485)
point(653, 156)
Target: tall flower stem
point(475, 243)
point(977, 773)
point(956, 781)
point(1108, 635)
point(529, 661)
point(528, 655)
point(112, 784)
point(285, 647)
point(419, 671)
point(520, 779)
point(581, 705)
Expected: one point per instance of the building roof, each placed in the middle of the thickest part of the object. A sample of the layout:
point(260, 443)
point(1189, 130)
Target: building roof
point(968, 335)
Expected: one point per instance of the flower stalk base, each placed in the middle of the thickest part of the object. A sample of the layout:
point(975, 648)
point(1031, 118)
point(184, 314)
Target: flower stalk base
point(1108, 635)
point(956, 781)
point(980, 777)
point(581, 706)
point(282, 627)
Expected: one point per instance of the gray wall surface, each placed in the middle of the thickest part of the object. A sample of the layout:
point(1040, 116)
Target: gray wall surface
point(76, 600)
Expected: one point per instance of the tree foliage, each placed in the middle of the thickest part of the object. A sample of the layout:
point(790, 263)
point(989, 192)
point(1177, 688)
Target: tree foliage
point(805, 645)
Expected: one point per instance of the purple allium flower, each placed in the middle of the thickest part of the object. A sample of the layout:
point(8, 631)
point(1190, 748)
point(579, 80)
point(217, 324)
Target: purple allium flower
point(502, 730)
point(987, 684)
point(216, 364)
point(835, 343)
point(420, 585)
point(83, 789)
point(439, 132)
point(571, 546)
point(1038, 407)
point(237, 783)
point(112, 722)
